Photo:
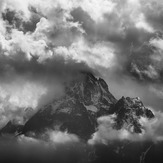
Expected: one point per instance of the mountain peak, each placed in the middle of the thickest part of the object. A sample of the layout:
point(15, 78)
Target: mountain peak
point(90, 90)
point(86, 98)
point(129, 111)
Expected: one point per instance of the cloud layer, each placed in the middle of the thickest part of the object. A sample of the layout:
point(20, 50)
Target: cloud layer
point(152, 131)
point(43, 44)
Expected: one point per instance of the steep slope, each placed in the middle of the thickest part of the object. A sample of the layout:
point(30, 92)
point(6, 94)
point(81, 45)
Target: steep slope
point(129, 111)
point(11, 128)
point(77, 111)
point(85, 99)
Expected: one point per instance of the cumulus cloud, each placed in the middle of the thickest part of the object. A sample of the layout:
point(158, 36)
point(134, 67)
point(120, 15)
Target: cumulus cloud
point(150, 72)
point(50, 138)
point(55, 32)
point(157, 43)
point(62, 23)
point(45, 43)
point(62, 137)
point(93, 55)
point(28, 140)
point(41, 47)
point(14, 100)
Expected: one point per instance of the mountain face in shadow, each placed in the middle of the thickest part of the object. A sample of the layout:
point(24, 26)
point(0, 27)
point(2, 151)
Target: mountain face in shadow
point(85, 99)
point(77, 112)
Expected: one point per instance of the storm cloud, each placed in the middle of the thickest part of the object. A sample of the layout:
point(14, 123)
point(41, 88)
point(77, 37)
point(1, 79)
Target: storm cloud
point(46, 43)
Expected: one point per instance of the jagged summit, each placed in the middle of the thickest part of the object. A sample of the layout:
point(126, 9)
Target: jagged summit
point(86, 98)
point(129, 111)
point(77, 111)
point(91, 91)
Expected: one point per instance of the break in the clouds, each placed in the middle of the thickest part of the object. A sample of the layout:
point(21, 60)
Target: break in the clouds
point(45, 43)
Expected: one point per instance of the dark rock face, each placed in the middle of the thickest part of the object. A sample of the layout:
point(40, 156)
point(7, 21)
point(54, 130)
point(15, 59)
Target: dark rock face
point(77, 111)
point(11, 128)
point(129, 111)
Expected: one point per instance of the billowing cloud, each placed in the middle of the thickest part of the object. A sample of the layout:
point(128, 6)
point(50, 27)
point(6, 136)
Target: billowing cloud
point(15, 100)
point(62, 137)
point(45, 43)
point(92, 55)
point(151, 130)
point(41, 47)
point(50, 138)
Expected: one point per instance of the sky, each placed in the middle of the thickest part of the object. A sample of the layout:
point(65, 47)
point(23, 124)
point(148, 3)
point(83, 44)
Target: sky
point(45, 43)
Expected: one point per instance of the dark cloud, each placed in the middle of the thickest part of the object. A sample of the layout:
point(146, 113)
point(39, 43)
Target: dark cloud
point(154, 13)
point(48, 43)
point(55, 67)
point(131, 43)
point(14, 20)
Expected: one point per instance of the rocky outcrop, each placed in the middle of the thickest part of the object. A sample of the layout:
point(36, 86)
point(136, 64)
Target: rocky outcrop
point(85, 99)
point(77, 111)
point(128, 113)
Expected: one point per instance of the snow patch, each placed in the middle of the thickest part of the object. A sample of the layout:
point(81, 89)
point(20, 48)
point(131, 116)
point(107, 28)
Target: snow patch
point(91, 108)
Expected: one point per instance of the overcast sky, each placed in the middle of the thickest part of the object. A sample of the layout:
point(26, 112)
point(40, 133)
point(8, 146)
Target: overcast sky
point(43, 43)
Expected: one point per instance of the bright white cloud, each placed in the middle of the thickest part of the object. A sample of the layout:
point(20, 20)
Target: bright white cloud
point(17, 97)
point(28, 140)
point(97, 9)
point(52, 138)
point(106, 133)
point(57, 34)
point(142, 24)
point(57, 29)
point(101, 54)
point(158, 43)
point(59, 137)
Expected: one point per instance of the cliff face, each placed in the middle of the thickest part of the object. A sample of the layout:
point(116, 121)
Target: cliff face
point(77, 111)
point(129, 111)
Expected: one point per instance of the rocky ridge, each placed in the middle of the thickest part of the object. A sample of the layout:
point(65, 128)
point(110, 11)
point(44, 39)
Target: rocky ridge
point(77, 111)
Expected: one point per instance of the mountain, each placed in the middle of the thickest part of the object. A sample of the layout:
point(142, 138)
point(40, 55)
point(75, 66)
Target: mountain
point(128, 113)
point(85, 99)
point(11, 128)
